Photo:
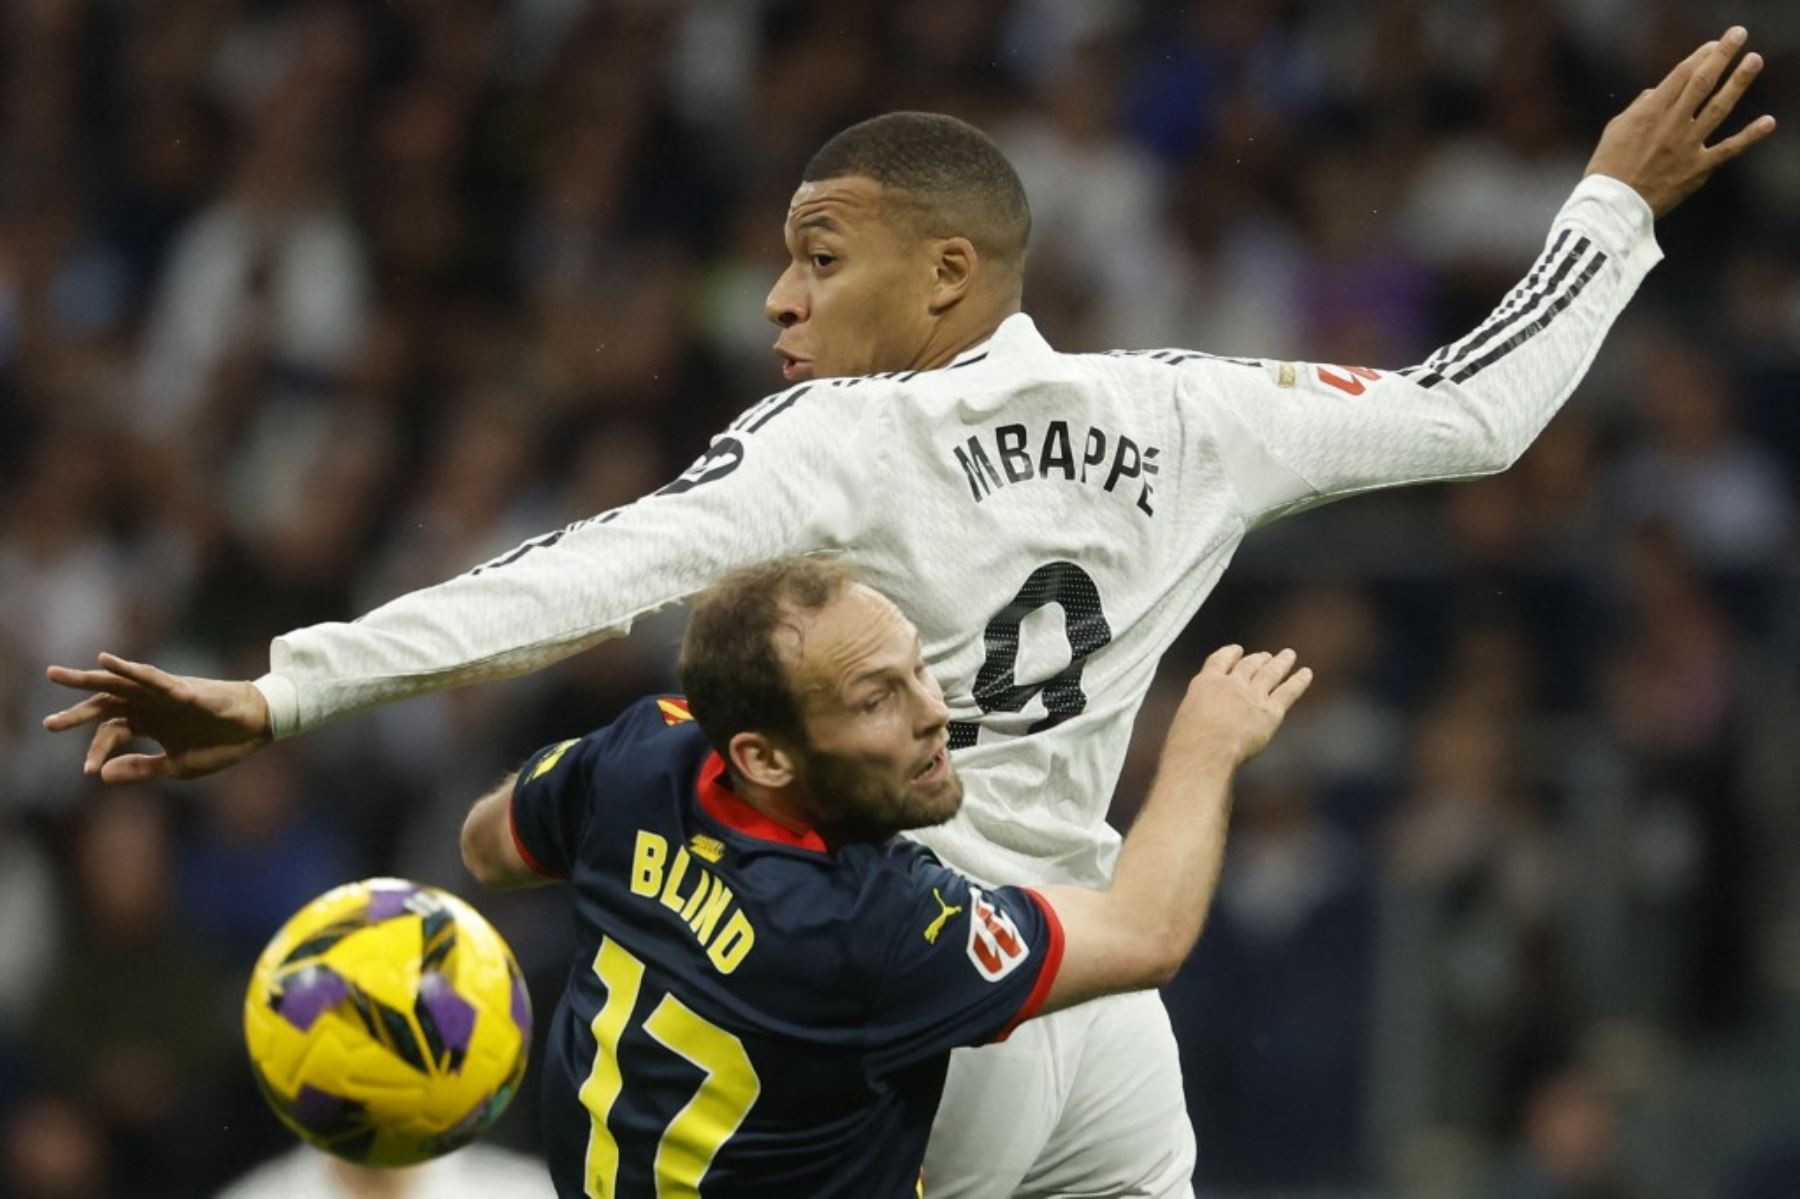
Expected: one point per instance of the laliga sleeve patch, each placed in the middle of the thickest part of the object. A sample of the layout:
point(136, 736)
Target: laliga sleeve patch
point(995, 945)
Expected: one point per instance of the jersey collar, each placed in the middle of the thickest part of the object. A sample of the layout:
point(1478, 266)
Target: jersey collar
point(1017, 328)
point(730, 809)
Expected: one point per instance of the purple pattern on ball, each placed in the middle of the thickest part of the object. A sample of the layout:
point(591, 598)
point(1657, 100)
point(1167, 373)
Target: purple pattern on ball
point(521, 1006)
point(324, 1114)
point(385, 903)
point(309, 993)
point(454, 1015)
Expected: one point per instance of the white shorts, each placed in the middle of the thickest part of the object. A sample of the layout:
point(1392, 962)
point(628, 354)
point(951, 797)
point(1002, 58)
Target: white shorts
point(1084, 1103)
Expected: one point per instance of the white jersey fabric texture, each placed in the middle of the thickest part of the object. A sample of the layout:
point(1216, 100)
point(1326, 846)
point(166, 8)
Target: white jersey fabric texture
point(1050, 522)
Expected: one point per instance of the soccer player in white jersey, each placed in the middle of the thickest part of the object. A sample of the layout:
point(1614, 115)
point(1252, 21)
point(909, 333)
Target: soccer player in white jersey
point(1049, 521)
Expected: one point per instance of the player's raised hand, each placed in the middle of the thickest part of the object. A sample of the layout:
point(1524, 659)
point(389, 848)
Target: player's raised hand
point(1236, 702)
point(1658, 144)
point(202, 725)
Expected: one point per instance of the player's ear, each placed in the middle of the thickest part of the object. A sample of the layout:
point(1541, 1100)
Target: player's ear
point(757, 759)
point(953, 263)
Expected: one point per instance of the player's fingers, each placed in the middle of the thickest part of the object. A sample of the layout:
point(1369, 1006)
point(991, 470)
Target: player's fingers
point(92, 680)
point(1720, 106)
point(86, 712)
point(1669, 88)
point(1275, 669)
point(1740, 141)
point(1251, 663)
point(1709, 70)
point(1293, 688)
point(141, 673)
point(109, 738)
point(137, 768)
point(1221, 660)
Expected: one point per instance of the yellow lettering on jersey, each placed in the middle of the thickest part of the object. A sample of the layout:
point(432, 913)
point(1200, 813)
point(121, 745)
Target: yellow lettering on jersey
point(937, 926)
point(706, 922)
point(672, 897)
point(548, 762)
point(710, 848)
point(647, 863)
point(699, 896)
point(729, 950)
point(707, 906)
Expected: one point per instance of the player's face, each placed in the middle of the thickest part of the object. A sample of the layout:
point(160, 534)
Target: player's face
point(856, 295)
point(877, 759)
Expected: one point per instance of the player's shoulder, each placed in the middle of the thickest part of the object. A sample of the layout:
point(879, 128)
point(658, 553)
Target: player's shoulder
point(653, 726)
point(834, 405)
point(892, 880)
point(1185, 361)
point(650, 717)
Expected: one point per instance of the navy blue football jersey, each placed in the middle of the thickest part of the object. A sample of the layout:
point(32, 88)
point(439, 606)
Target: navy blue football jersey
point(752, 1013)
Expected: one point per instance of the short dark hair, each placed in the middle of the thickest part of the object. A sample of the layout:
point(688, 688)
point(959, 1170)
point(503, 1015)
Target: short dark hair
point(732, 672)
point(952, 177)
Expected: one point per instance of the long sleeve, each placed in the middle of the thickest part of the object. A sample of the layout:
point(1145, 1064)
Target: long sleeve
point(1293, 435)
point(789, 476)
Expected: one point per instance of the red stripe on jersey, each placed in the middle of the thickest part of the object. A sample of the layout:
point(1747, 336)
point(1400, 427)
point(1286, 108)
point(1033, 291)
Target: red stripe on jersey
point(1040, 990)
point(734, 812)
point(525, 855)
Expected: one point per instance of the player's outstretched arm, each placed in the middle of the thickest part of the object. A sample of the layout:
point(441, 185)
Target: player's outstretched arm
point(1294, 435)
point(786, 477)
point(200, 725)
point(1136, 933)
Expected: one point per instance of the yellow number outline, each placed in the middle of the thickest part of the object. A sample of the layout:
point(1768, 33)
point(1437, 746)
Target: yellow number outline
point(693, 1138)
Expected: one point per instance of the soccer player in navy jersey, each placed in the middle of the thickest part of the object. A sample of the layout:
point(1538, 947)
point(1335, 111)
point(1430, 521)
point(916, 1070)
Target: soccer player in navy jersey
point(980, 477)
point(768, 982)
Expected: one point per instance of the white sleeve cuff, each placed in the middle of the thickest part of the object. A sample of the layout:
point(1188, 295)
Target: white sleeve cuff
point(283, 699)
point(1618, 215)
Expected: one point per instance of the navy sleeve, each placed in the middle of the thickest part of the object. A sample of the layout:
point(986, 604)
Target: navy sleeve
point(559, 784)
point(965, 966)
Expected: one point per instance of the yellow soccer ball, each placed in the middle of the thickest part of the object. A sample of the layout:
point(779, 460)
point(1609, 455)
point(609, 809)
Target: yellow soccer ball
point(387, 1022)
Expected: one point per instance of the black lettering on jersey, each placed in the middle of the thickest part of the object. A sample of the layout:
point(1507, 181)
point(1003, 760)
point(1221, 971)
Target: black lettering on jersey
point(725, 455)
point(1150, 468)
point(1127, 462)
point(1058, 454)
point(1011, 440)
point(1012, 447)
point(981, 482)
point(1095, 454)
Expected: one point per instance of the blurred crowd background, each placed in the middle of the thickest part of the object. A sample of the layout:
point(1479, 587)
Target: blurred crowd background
point(303, 305)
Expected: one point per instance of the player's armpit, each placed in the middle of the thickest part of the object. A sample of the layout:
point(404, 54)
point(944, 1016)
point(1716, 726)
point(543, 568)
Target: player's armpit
point(1106, 948)
point(490, 846)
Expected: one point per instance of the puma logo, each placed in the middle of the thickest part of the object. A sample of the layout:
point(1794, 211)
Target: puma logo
point(937, 926)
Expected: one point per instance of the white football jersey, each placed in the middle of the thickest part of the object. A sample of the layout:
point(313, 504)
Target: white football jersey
point(1050, 522)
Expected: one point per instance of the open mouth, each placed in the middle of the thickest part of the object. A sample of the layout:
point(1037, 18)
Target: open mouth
point(794, 368)
point(935, 770)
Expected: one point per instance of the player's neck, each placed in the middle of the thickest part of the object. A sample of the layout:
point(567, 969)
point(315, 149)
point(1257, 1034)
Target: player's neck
point(776, 806)
point(959, 333)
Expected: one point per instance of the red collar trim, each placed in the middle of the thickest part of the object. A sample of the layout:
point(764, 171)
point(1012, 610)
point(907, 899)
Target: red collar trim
point(734, 812)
